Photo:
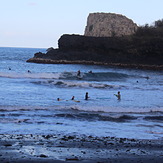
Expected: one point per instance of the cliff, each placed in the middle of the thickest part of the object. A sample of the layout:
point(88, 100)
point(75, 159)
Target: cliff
point(143, 49)
point(128, 51)
point(108, 25)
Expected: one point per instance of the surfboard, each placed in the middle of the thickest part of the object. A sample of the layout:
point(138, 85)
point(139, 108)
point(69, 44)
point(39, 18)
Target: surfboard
point(76, 101)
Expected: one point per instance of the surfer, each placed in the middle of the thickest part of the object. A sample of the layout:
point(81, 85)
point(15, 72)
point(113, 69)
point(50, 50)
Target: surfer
point(78, 73)
point(86, 96)
point(118, 95)
point(90, 72)
point(58, 99)
point(29, 71)
point(72, 97)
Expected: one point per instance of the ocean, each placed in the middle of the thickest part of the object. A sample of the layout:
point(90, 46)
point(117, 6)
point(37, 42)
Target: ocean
point(29, 93)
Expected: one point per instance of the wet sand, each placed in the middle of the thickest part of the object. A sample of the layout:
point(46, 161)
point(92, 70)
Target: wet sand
point(72, 148)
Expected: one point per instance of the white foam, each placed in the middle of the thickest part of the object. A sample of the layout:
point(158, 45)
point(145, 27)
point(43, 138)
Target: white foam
point(30, 75)
point(110, 109)
point(83, 107)
point(84, 84)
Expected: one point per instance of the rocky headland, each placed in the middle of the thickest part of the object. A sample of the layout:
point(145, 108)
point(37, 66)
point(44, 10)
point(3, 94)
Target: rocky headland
point(121, 43)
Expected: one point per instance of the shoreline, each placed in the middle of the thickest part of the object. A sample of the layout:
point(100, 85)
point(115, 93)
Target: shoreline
point(73, 148)
point(120, 65)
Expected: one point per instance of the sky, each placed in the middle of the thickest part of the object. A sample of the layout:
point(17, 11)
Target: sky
point(40, 23)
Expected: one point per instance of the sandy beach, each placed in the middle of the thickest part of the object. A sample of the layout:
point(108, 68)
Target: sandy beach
point(72, 148)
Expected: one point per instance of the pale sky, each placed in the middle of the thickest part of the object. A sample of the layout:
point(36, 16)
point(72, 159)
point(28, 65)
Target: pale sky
point(40, 23)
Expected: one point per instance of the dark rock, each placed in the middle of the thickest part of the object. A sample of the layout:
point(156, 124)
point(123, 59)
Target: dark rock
point(71, 137)
point(42, 155)
point(7, 145)
point(72, 159)
point(83, 152)
point(131, 51)
point(47, 136)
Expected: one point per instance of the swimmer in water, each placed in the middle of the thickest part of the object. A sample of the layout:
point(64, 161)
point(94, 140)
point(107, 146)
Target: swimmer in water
point(86, 96)
point(78, 73)
point(73, 97)
point(118, 95)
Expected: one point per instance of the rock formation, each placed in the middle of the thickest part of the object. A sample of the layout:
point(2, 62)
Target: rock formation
point(109, 25)
point(141, 50)
point(104, 50)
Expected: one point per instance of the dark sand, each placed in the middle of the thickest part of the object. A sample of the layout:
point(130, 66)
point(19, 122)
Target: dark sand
point(72, 149)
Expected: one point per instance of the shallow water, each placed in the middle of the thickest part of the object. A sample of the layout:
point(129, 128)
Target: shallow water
point(28, 101)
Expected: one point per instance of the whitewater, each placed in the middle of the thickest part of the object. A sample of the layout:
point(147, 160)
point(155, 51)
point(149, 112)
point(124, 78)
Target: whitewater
point(29, 92)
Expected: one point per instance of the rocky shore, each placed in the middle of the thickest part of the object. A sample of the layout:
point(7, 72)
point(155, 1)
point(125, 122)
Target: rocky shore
point(110, 39)
point(120, 65)
point(73, 148)
point(125, 52)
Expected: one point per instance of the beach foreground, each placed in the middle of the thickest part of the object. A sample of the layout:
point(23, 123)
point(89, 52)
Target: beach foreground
point(72, 148)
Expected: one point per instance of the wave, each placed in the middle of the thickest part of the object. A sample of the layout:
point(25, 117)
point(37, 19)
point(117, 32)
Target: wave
point(73, 106)
point(79, 115)
point(30, 75)
point(154, 118)
point(97, 76)
point(67, 84)
point(96, 117)
point(112, 109)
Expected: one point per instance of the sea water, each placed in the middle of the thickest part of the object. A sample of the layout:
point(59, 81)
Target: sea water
point(29, 92)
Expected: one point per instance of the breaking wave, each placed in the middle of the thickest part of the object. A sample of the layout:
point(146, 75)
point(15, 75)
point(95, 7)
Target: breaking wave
point(98, 76)
point(97, 117)
point(84, 84)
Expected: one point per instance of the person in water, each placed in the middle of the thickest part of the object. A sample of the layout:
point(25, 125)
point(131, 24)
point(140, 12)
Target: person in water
point(58, 99)
point(118, 95)
point(78, 73)
point(73, 97)
point(86, 96)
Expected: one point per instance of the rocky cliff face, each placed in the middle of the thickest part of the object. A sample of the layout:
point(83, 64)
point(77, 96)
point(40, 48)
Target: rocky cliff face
point(130, 51)
point(135, 50)
point(143, 47)
point(109, 25)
